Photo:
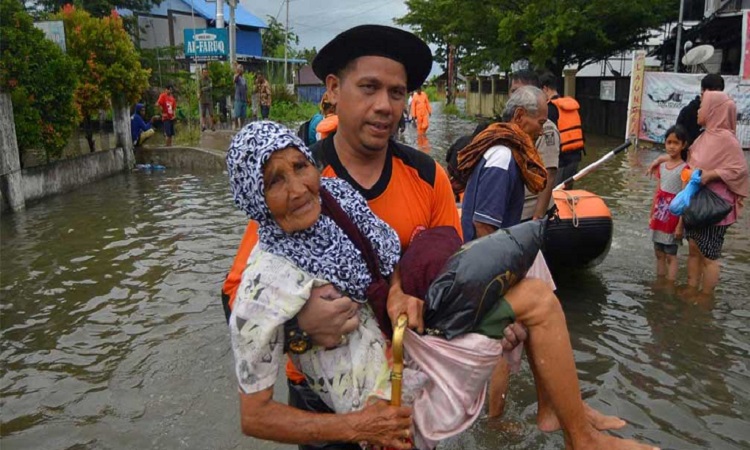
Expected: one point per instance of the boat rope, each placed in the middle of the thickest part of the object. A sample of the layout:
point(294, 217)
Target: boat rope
point(572, 201)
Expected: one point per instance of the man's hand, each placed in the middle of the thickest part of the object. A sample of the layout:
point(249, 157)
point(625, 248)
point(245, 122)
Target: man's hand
point(515, 334)
point(327, 316)
point(399, 302)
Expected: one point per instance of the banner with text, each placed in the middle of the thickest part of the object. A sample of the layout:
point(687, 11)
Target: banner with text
point(665, 94)
point(206, 43)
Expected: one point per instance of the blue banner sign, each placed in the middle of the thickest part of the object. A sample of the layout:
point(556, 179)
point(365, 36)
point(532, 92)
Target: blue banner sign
point(206, 43)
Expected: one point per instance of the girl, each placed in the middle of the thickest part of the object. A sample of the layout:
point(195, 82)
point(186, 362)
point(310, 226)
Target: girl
point(667, 228)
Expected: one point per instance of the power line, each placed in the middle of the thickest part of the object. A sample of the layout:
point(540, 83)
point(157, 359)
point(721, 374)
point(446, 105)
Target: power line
point(338, 19)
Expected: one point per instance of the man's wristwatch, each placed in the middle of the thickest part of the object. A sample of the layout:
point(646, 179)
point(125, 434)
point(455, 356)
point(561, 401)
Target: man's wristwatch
point(295, 340)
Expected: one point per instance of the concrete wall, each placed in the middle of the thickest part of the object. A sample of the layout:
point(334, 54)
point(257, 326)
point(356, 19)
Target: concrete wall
point(184, 158)
point(66, 175)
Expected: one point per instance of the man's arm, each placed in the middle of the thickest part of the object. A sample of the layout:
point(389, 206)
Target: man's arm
point(542, 202)
point(444, 211)
point(379, 424)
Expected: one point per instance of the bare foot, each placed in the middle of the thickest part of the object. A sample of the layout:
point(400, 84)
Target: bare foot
point(548, 421)
point(598, 441)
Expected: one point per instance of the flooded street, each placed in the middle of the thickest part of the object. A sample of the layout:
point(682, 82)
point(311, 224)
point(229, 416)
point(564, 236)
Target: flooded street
point(113, 335)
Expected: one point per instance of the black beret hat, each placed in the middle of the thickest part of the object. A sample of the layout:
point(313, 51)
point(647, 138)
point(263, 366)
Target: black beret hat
point(376, 40)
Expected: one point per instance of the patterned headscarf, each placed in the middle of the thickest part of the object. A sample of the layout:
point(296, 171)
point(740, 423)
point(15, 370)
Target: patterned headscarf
point(323, 250)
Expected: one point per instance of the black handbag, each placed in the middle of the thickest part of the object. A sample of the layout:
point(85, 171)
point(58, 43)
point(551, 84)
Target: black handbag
point(706, 208)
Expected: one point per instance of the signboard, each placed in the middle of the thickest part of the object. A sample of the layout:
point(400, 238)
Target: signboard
point(665, 94)
point(54, 30)
point(206, 43)
point(607, 90)
point(636, 93)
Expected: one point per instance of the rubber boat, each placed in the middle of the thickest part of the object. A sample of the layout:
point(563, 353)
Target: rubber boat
point(580, 234)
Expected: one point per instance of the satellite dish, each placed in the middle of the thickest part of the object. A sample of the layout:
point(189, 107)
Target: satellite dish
point(698, 55)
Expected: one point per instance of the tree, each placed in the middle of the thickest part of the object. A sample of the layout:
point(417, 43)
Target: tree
point(551, 34)
point(308, 54)
point(274, 39)
point(97, 8)
point(41, 80)
point(107, 63)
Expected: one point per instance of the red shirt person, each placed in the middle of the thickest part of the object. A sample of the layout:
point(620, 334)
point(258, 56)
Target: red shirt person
point(168, 106)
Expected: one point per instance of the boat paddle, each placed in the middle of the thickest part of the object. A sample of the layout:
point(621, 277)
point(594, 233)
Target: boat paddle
point(591, 167)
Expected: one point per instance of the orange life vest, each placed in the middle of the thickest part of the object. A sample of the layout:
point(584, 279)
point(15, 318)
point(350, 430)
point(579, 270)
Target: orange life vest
point(569, 124)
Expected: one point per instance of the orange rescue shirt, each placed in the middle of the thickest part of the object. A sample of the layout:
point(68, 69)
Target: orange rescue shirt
point(413, 192)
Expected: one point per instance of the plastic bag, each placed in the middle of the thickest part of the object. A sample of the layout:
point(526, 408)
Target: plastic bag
point(682, 199)
point(706, 208)
point(478, 275)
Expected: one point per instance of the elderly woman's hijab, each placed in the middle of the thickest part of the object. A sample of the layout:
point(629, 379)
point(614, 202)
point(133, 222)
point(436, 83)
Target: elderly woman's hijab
point(323, 250)
point(717, 148)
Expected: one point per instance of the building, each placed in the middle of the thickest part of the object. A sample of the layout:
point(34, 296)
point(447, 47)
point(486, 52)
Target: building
point(164, 25)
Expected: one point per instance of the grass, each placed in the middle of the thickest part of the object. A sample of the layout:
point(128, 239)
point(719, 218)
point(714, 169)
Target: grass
point(292, 114)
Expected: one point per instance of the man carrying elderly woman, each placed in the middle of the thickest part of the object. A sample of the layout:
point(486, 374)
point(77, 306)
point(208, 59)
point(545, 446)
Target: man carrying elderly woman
point(284, 297)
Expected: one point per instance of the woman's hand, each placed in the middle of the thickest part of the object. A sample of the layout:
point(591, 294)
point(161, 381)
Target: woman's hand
point(708, 176)
point(382, 425)
point(328, 316)
point(654, 167)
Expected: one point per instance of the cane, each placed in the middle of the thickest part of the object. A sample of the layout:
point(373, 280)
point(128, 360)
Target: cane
point(397, 347)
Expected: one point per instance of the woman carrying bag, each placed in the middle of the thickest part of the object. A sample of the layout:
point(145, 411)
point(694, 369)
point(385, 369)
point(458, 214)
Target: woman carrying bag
point(717, 153)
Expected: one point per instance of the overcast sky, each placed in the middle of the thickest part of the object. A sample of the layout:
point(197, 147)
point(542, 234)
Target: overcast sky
point(317, 21)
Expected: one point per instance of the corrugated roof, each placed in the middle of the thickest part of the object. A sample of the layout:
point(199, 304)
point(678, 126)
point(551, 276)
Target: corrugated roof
point(241, 16)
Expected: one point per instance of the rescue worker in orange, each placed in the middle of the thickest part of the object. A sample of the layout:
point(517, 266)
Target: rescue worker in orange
point(330, 121)
point(421, 110)
point(569, 124)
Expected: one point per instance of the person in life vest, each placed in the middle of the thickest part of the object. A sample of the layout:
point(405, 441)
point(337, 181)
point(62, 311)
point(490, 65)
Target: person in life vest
point(569, 125)
point(330, 121)
point(421, 110)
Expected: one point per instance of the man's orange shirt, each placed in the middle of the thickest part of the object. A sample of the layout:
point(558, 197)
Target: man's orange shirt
point(412, 193)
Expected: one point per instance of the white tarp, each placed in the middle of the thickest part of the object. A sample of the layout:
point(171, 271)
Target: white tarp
point(665, 94)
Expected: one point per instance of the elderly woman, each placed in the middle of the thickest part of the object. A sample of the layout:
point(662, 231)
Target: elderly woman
point(273, 179)
point(718, 154)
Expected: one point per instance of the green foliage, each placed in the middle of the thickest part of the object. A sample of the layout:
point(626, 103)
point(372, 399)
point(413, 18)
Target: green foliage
point(41, 80)
point(161, 62)
point(451, 110)
point(432, 93)
point(549, 34)
point(107, 61)
point(275, 38)
point(292, 113)
point(97, 8)
point(308, 54)
point(280, 94)
point(221, 79)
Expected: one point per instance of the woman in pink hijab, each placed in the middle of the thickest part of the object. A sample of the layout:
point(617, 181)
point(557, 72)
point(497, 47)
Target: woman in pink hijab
point(717, 153)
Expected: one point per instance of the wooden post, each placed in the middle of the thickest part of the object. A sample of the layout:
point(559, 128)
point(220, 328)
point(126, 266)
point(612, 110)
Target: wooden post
point(11, 180)
point(570, 82)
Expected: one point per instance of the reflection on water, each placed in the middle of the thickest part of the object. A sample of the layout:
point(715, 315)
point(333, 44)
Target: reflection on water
point(113, 335)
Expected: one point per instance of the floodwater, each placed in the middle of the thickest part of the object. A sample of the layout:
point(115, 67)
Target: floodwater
point(113, 336)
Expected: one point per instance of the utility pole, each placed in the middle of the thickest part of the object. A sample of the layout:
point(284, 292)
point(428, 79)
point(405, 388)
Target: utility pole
point(286, 41)
point(219, 13)
point(232, 33)
point(679, 38)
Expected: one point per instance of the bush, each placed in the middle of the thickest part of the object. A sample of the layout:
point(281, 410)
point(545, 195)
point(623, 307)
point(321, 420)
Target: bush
point(451, 110)
point(292, 114)
point(433, 94)
point(41, 80)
